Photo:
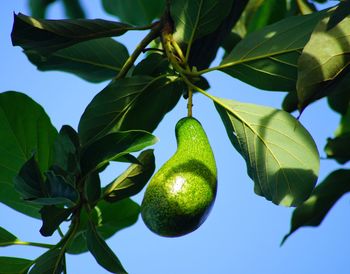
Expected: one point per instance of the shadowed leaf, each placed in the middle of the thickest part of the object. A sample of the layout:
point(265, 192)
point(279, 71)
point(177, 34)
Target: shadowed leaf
point(11, 265)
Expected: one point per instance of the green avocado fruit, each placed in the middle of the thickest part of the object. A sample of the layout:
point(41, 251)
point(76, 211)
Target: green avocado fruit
point(181, 194)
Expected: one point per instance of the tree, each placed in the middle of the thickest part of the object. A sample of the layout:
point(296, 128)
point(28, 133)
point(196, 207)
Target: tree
point(270, 45)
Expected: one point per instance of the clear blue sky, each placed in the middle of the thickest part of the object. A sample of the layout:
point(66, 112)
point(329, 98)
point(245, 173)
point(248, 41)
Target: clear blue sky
point(243, 232)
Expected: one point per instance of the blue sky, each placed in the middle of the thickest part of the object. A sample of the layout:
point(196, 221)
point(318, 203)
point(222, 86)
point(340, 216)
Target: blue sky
point(242, 233)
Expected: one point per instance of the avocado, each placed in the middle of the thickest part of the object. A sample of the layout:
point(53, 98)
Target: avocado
point(181, 194)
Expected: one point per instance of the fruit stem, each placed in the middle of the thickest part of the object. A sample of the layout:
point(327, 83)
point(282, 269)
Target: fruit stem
point(190, 101)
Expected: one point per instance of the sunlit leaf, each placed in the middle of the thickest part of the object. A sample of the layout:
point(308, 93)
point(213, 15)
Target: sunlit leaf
point(24, 128)
point(281, 156)
point(317, 65)
point(342, 11)
point(326, 194)
point(268, 58)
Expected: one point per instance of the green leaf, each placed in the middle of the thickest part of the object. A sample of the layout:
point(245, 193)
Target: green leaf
point(92, 188)
point(136, 12)
point(51, 262)
point(22, 133)
point(195, 18)
point(112, 146)
point(102, 253)
point(52, 217)
point(281, 156)
point(73, 9)
point(132, 180)
point(121, 106)
point(319, 65)
point(60, 188)
point(47, 36)
point(338, 148)
point(271, 63)
point(29, 181)
point(290, 102)
point(153, 65)
point(342, 11)
point(326, 194)
point(11, 265)
point(95, 60)
point(267, 12)
point(6, 238)
point(66, 152)
point(109, 219)
point(38, 8)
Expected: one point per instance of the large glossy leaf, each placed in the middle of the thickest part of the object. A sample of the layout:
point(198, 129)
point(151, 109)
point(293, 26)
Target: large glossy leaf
point(196, 18)
point(102, 252)
point(326, 194)
point(281, 156)
point(132, 180)
point(6, 238)
point(51, 262)
point(11, 265)
point(136, 12)
point(139, 102)
point(47, 36)
point(342, 11)
point(22, 133)
point(109, 218)
point(112, 146)
point(267, 59)
point(95, 60)
point(320, 65)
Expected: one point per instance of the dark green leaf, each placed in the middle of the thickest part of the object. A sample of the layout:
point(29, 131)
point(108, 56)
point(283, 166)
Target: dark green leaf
point(112, 146)
point(281, 156)
point(73, 9)
point(338, 148)
point(51, 262)
point(60, 188)
point(271, 64)
point(319, 65)
point(29, 181)
point(342, 11)
point(153, 65)
point(6, 238)
point(95, 60)
point(92, 188)
point(268, 12)
point(66, 151)
point(121, 106)
point(132, 180)
point(47, 36)
point(109, 219)
point(22, 133)
point(290, 102)
point(38, 7)
point(195, 18)
point(203, 50)
point(136, 12)
point(52, 217)
point(325, 195)
point(101, 251)
point(11, 265)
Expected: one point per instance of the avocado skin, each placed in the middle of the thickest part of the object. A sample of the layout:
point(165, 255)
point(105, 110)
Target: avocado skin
point(181, 194)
